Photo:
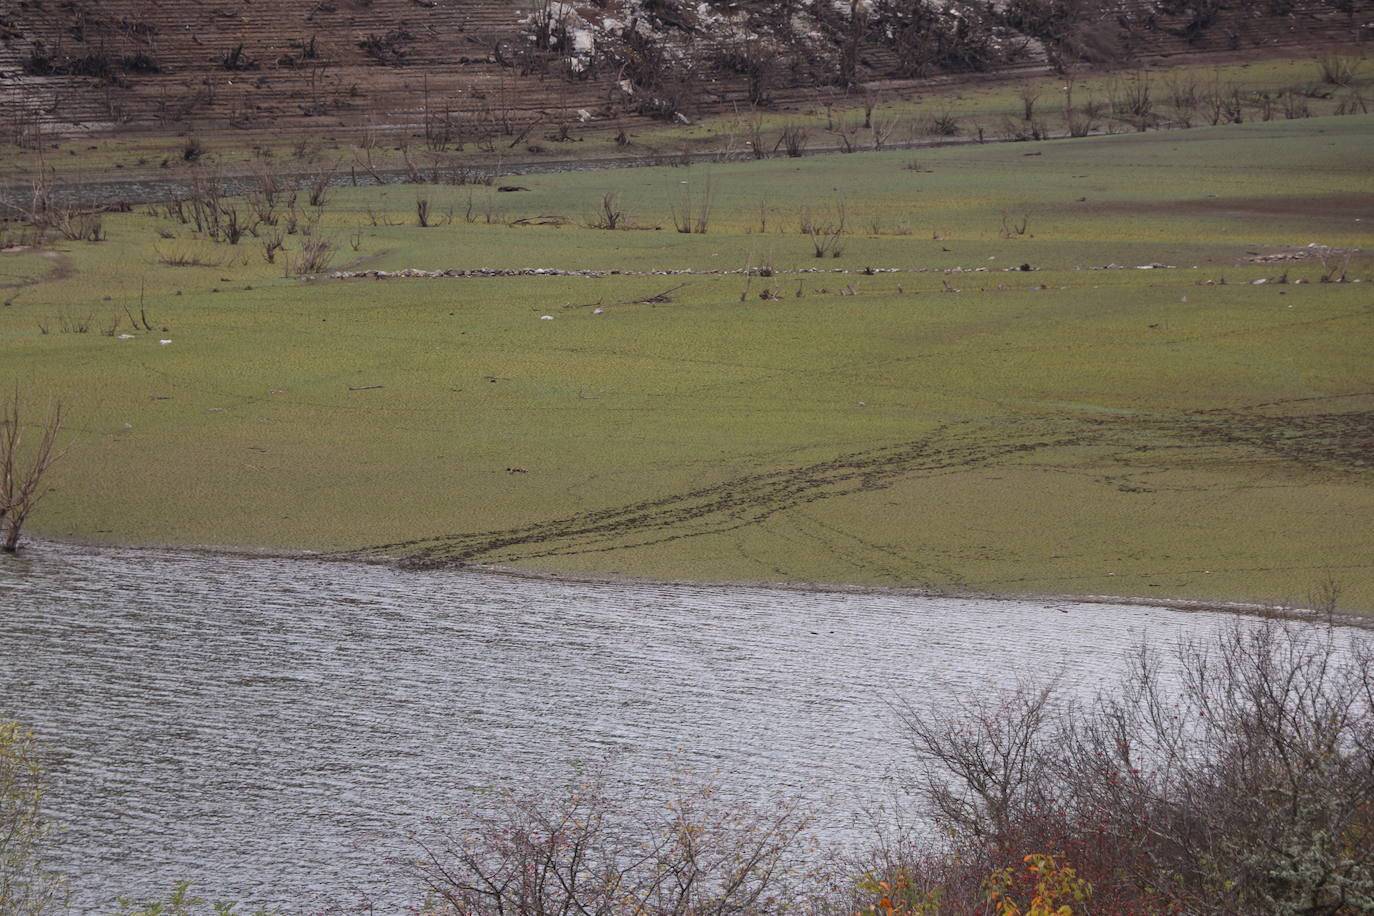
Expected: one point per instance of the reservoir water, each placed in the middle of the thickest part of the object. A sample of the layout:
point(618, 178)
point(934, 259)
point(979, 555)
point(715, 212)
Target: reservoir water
point(271, 729)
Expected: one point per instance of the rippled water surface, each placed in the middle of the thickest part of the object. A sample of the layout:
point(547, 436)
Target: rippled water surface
point(271, 728)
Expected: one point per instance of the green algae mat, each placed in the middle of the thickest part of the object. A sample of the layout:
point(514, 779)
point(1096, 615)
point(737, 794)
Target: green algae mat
point(1135, 365)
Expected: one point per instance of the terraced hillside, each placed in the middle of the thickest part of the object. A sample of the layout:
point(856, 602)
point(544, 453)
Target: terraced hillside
point(481, 66)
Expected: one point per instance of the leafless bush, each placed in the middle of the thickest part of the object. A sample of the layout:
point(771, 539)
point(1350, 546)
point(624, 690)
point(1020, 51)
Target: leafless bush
point(1082, 122)
point(598, 847)
point(826, 237)
point(72, 323)
point(883, 129)
point(272, 241)
point(392, 48)
point(794, 140)
point(610, 216)
point(1352, 104)
point(1183, 99)
point(1029, 93)
point(1224, 104)
point(1295, 106)
point(756, 144)
point(186, 257)
point(1012, 229)
point(691, 215)
point(1131, 100)
point(1239, 780)
point(847, 132)
point(22, 469)
point(382, 218)
point(1338, 69)
point(315, 255)
point(1335, 265)
point(319, 184)
point(235, 60)
point(943, 125)
point(76, 225)
point(232, 227)
point(422, 212)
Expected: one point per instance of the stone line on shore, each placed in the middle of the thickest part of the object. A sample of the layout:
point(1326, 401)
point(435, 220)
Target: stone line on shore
point(490, 272)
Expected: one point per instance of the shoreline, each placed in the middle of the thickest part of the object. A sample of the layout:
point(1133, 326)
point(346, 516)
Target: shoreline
point(1358, 620)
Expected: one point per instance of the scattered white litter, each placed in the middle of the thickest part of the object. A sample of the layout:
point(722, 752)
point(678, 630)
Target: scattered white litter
point(126, 337)
point(546, 318)
point(597, 311)
point(164, 342)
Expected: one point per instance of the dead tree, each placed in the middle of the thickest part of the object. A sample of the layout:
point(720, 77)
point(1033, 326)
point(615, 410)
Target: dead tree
point(21, 475)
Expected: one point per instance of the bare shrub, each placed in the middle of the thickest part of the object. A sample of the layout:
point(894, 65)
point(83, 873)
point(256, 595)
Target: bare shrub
point(1183, 99)
point(1131, 100)
point(794, 140)
point(610, 216)
point(883, 129)
point(422, 212)
point(391, 48)
point(1295, 106)
point(944, 124)
point(826, 237)
point(1011, 229)
point(272, 241)
point(319, 184)
point(1338, 69)
point(315, 255)
point(1029, 93)
point(690, 214)
point(73, 323)
point(847, 132)
point(1335, 265)
point(759, 149)
point(187, 256)
point(1355, 103)
point(599, 847)
point(77, 225)
point(1081, 122)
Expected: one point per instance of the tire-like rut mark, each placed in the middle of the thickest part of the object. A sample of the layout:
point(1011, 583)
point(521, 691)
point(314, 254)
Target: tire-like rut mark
point(1332, 441)
point(736, 503)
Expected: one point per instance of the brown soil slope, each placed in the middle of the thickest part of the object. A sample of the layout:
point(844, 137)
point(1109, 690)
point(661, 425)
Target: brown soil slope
point(78, 66)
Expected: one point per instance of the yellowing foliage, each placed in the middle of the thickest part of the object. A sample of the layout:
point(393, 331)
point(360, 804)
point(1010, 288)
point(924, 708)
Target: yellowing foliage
point(1057, 887)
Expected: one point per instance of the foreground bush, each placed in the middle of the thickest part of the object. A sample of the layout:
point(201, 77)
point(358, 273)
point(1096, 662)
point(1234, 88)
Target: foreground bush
point(1240, 782)
point(27, 888)
point(595, 847)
